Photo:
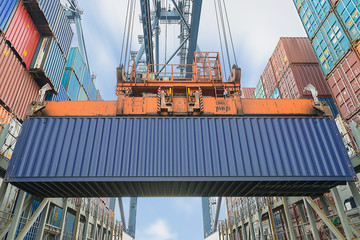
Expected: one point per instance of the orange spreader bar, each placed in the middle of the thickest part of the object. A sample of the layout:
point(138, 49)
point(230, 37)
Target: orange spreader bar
point(231, 106)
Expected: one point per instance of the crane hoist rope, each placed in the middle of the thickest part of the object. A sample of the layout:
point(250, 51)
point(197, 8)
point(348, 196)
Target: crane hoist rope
point(132, 30)
point(219, 33)
point(126, 21)
point(231, 39)
point(131, 23)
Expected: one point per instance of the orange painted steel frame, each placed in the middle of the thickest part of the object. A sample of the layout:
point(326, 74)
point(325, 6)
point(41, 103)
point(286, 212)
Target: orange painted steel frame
point(137, 106)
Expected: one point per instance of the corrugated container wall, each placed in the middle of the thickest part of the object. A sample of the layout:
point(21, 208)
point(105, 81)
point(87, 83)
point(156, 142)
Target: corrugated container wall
point(275, 94)
point(259, 90)
point(291, 51)
point(73, 85)
point(82, 95)
point(344, 83)
point(7, 10)
point(23, 34)
point(268, 80)
point(86, 152)
point(93, 92)
point(63, 32)
point(330, 43)
point(48, 63)
point(312, 14)
point(62, 95)
point(247, 92)
point(17, 88)
point(45, 14)
point(86, 82)
point(76, 62)
point(349, 12)
point(297, 77)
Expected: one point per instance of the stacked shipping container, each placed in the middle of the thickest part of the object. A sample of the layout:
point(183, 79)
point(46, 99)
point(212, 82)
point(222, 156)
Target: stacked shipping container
point(292, 66)
point(335, 38)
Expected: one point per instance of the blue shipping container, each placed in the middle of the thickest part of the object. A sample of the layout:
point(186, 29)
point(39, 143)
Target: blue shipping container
point(259, 90)
point(178, 156)
point(298, 3)
point(87, 80)
point(64, 33)
point(330, 43)
point(276, 94)
point(348, 10)
point(73, 86)
point(62, 95)
point(312, 14)
point(330, 101)
point(51, 9)
point(93, 92)
point(69, 225)
point(32, 233)
point(54, 65)
point(308, 20)
point(76, 62)
point(7, 10)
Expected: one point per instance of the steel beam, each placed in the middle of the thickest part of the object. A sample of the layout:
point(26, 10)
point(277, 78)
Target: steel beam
point(3, 188)
point(326, 211)
point(258, 210)
point(341, 213)
point(121, 207)
point(87, 219)
point(146, 22)
point(17, 213)
point(288, 219)
point(63, 217)
point(4, 129)
point(132, 215)
point(326, 220)
point(181, 15)
point(310, 216)
point(93, 234)
point(355, 193)
point(142, 46)
point(194, 30)
point(205, 204)
point(251, 224)
point(217, 212)
point(40, 232)
point(102, 225)
point(271, 219)
point(44, 203)
point(77, 220)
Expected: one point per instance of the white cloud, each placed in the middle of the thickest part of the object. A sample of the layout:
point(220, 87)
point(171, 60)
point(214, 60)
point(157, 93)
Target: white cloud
point(158, 230)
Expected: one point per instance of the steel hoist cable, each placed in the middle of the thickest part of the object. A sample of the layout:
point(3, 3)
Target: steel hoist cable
point(231, 39)
point(224, 32)
point(219, 32)
point(132, 9)
point(126, 22)
point(132, 29)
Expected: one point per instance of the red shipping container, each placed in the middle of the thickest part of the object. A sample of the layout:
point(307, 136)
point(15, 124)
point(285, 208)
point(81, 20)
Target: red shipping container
point(344, 82)
point(247, 93)
point(294, 50)
point(22, 34)
point(17, 88)
point(297, 77)
point(268, 80)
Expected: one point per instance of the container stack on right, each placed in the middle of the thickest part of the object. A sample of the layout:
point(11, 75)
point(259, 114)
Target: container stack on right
point(333, 28)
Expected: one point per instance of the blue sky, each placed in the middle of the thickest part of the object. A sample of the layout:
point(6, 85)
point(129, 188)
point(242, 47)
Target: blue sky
point(256, 26)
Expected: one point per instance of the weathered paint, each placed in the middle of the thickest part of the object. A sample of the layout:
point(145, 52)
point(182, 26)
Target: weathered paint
point(297, 77)
point(259, 90)
point(289, 51)
point(349, 12)
point(247, 92)
point(330, 43)
point(344, 82)
point(268, 80)
point(17, 88)
point(178, 156)
point(23, 35)
point(63, 33)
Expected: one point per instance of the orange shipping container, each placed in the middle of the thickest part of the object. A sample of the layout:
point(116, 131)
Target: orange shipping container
point(17, 88)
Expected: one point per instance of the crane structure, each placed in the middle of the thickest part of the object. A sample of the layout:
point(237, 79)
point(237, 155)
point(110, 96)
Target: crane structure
point(192, 88)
